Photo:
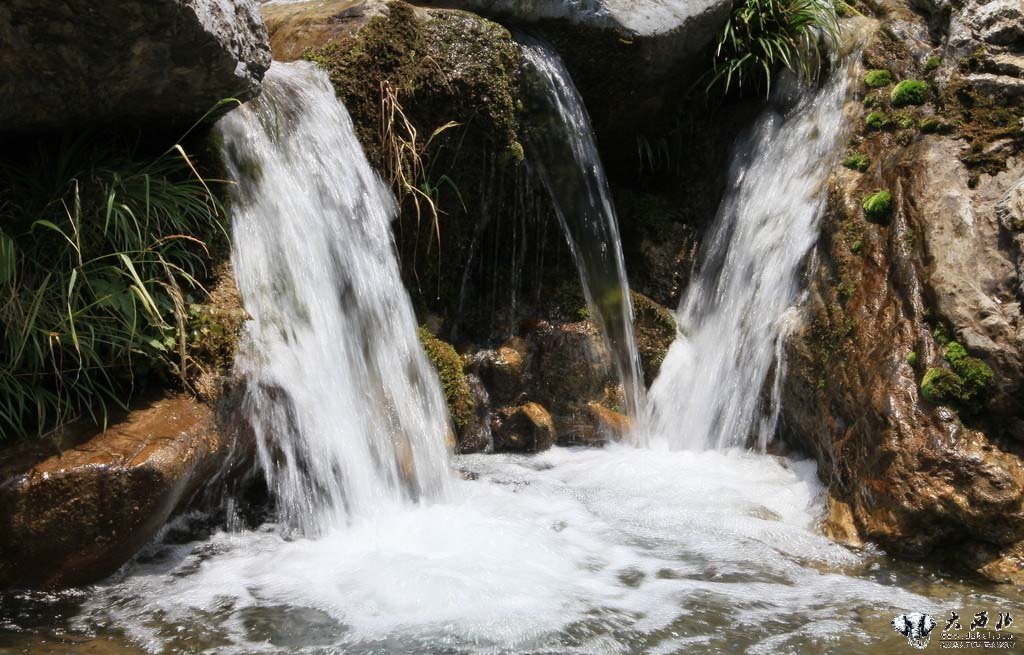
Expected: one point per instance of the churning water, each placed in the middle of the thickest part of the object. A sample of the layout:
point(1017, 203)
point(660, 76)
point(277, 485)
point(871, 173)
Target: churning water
point(379, 550)
point(560, 146)
point(711, 391)
point(348, 413)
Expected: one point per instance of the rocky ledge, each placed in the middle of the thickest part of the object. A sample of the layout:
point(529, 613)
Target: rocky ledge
point(74, 509)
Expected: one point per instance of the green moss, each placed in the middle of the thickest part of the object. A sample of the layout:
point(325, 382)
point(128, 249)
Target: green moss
point(857, 161)
point(877, 120)
point(941, 334)
point(905, 121)
point(932, 125)
point(878, 206)
point(940, 386)
point(932, 63)
point(912, 358)
point(954, 352)
point(857, 246)
point(655, 330)
point(909, 92)
point(449, 369)
point(875, 79)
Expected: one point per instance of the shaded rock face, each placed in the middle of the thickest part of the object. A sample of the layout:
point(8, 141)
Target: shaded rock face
point(80, 62)
point(885, 300)
point(71, 513)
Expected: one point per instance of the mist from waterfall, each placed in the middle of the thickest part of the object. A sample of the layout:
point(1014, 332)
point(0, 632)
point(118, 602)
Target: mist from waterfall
point(348, 413)
point(560, 146)
point(714, 390)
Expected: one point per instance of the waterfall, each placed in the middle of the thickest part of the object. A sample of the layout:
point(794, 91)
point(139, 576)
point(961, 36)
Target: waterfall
point(347, 411)
point(561, 148)
point(711, 391)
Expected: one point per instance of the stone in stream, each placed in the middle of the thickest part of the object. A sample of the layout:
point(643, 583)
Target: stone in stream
point(81, 62)
point(527, 428)
point(72, 512)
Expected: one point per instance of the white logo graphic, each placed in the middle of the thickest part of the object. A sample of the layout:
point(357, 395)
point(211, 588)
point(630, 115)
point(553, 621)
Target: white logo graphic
point(915, 626)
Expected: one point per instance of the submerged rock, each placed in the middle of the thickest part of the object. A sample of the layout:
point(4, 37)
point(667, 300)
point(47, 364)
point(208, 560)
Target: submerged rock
point(73, 511)
point(80, 62)
point(526, 428)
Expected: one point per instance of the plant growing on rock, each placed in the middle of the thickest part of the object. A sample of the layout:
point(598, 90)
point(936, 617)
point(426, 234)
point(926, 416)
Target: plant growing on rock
point(763, 35)
point(941, 386)
point(967, 386)
point(909, 92)
point(857, 161)
point(102, 251)
point(877, 120)
point(448, 365)
point(878, 206)
point(878, 78)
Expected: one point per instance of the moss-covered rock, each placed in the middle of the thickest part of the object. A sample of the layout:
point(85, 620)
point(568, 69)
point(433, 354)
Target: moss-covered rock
point(857, 161)
point(878, 78)
point(909, 92)
point(448, 364)
point(878, 206)
point(655, 329)
point(877, 120)
point(941, 386)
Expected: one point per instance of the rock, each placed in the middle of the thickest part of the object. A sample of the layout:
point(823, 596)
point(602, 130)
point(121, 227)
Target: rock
point(572, 364)
point(72, 512)
point(839, 525)
point(502, 370)
point(655, 329)
point(452, 375)
point(527, 428)
point(78, 62)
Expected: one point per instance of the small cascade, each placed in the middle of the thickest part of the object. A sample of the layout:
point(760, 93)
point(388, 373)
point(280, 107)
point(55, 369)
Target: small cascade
point(713, 390)
point(561, 149)
point(348, 413)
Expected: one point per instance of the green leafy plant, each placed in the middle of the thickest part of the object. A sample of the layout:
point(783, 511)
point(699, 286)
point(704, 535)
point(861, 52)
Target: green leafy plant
point(878, 206)
point(763, 35)
point(878, 78)
point(102, 250)
point(932, 63)
point(909, 92)
point(877, 120)
point(857, 161)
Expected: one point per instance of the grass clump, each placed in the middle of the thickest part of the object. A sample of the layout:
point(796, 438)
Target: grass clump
point(909, 92)
point(102, 249)
point(857, 161)
point(875, 79)
point(763, 35)
point(912, 358)
point(878, 206)
point(932, 63)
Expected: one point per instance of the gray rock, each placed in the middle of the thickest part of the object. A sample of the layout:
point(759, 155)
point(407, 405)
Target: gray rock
point(75, 62)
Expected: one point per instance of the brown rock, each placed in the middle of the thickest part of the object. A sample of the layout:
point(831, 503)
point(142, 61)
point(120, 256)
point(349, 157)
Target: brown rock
point(839, 524)
point(502, 370)
point(527, 428)
point(72, 512)
point(655, 330)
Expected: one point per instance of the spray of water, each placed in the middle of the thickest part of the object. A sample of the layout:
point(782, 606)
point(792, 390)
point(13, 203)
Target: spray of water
point(348, 413)
point(560, 146)
point(711, 391)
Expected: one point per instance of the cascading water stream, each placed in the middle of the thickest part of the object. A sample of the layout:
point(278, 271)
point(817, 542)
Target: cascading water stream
point(561, 148)
point(348, 412)
point(711, 391)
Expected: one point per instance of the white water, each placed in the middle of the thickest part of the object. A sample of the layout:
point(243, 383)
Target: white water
point(711, 391)
point(348, 412)
point(561, 147)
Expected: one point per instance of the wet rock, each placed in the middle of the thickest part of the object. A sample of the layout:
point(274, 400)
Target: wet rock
point(502, 370)
point(79, 62)
point(73, 511)
point(527, 428)
point(451, 373)
point(655, 329)
point(572, 364)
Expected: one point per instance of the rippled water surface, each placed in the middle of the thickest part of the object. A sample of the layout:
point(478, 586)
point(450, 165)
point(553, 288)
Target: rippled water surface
point(573, 551)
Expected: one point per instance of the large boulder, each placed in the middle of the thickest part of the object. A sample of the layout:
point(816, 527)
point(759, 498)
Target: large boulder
point(527, 428)
point(77, 62)
point(75, 509)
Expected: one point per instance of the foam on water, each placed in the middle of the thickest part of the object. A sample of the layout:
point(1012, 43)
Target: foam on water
point(572, 551)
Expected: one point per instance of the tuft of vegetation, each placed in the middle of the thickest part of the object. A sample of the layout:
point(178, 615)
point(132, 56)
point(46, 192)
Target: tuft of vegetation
point(875, 79)
point(450, 371)
point(102, 250)
point(941, 386)
point(877, 120)
point(857, 161)
point(912, 358)
point(763, 35)
point(932, 63)
point(878, 206)
point(909, 92)
point(932, 125)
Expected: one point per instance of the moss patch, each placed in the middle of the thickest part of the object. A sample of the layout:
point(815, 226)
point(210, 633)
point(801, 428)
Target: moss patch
point(909, 92)
point(655, 330)
point(875, 79)
point(941, 386)
point(857, 161)
point(449, 369)
point(878, 207)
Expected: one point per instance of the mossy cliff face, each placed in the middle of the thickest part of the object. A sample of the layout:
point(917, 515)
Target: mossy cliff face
point(905, 380)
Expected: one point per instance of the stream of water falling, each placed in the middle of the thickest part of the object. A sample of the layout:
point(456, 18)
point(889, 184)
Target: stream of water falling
point(713, 389)
point(348, 413)
point(614, 551)
point(561, 148)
